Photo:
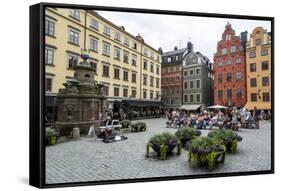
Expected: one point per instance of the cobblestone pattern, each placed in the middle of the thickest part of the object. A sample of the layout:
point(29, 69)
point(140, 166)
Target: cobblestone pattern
point(90, 160)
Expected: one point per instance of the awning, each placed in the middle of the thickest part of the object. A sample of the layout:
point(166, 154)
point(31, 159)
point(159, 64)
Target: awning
point(192, 107)
point(143, 103)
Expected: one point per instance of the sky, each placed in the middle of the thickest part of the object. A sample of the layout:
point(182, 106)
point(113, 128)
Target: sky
point(168, 31)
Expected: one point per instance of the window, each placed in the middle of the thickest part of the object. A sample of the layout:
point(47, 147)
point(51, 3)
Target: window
point(145, 80)
point(48, 84)
point(238, 61)
point(253, 82)
point(125, 76)
point(191, 72)
point(116, 91)
point(265, 97)
point(157, 83)
point(191, 84)
point(145, 65)
point(117, 36)
point(125, 92)
point(233, 49)
point(151, 95)
point(126, 41)
point(223, 51)
point(145, 51)
point(258, 42)
point(105, 71)
point(238, 76)
point(228, 77)
point(220, 94)
point(106, 90)
point(157, 95)
point(265, 81)
point(229, 93)
point(93, 64)
point(144, 94)
point(134, 60)
point(252, 54)
point(228, 37)
point(106, 31)
point(198, 96)
point(117, 53)
point(74, 13)
point(264, 52)
point(157, 70)
point(264, 65)
point(197, 71)
point(126, 57)
point(169, 59)
point(49, 56)
point(134, 93)
point(106, 49)
point(151, 81)
point(220, 78)
point(177, 57)
point(254, 97)
point(94, 24)
point(185, 85)
point(73, 36)
point(49, 27)
point(116, 73)
point(134, 45)
point(228, 61)
point(185, 72)
point(94, 44)
point(134, 77)
point(198, 83)
point(191, 98)
point(72, 60)
point(220, 63)
point(151, 67)
point(185, 98)
point(239, 93)
point(253, 67)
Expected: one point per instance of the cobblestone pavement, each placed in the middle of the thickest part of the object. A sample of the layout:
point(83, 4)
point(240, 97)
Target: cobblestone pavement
point(89, 160)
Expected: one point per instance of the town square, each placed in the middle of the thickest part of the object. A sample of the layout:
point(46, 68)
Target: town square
point(119, 106)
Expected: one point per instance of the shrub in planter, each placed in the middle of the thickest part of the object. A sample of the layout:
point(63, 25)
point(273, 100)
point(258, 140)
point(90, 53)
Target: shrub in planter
point(187, 134)
point(138, 126)
point(126, 123)
point(163, 144)
point(228, 138)
point(205, 151)
point(50, 136)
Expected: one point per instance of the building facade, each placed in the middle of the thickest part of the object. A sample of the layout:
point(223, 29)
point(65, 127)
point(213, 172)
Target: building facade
point(198, 82)
point(125, 64)
point(258, 62)
point(230, 69)
point(172, 79)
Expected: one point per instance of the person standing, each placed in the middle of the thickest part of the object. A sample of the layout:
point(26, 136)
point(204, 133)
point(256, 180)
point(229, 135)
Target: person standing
point(256, 117)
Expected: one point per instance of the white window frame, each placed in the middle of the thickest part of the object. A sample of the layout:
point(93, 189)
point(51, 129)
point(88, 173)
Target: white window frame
point(94, 44)
point(106, 49)
point(49, 49)
point(76, 36)
point(94, 24)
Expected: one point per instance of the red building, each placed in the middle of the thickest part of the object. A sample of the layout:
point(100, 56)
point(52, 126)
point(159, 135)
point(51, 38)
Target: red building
point(230, 69)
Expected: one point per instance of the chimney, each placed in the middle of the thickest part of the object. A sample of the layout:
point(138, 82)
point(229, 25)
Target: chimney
point(160, 50)
point(189, 47)
point(175, 48)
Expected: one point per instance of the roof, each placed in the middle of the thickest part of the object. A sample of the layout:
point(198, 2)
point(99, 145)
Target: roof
point(170, 53)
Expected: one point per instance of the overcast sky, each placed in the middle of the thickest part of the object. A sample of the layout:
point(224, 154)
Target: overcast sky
point(167, 31)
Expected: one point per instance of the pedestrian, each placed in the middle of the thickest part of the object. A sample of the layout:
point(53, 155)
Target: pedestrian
point(256, 117)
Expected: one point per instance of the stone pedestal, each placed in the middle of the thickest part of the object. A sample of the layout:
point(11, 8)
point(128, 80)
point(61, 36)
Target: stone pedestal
point(76, 133)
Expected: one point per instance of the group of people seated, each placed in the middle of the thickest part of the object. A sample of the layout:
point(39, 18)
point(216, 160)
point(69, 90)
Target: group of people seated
point(231, 118)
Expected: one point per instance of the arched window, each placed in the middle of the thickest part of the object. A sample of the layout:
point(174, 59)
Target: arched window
point(87, 76)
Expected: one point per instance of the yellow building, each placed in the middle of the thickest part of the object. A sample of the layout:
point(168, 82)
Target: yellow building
point(127, 66)
point(258, 62)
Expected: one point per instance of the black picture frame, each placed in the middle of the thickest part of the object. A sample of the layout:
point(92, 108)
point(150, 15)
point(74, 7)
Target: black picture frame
point(37, 96)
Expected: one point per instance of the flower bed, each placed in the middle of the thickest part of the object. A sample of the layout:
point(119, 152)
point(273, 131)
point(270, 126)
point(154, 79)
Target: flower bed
point(187, 134)
point(50, 136)
point(228, 138)
point(138, 126)
point(163, 144)
point(126, 124)
point(205, 151)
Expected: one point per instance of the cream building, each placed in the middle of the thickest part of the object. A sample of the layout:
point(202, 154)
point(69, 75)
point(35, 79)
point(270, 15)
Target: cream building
point(128, 67)
point(258, 62)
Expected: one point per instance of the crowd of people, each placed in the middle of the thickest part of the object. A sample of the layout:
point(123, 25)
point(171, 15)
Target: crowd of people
point(231, 118)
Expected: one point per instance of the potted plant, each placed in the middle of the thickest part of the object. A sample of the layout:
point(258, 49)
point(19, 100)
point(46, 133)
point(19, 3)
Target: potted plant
point(138, 126)
point(187, 134)
point(228, 138)
point(163, 144)
point(126, 124)
point(205, 151)
point(50, 136)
